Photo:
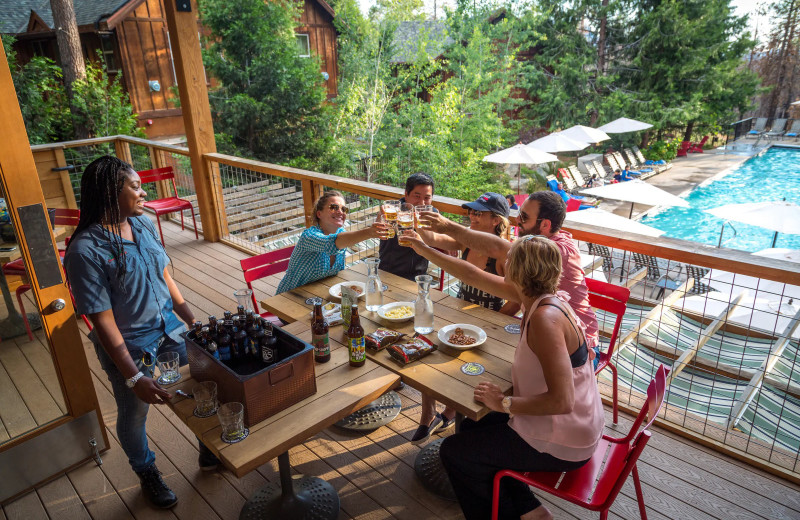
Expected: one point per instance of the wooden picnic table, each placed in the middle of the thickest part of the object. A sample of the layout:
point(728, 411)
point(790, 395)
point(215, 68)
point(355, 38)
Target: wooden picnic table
point(341, 390)
point(438, 374)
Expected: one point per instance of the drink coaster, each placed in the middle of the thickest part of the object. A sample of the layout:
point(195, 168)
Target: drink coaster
point(472, 369)
point(204, 415)
point(162, 381)
point(313, 300)
point(234, 440)
point(512, 328)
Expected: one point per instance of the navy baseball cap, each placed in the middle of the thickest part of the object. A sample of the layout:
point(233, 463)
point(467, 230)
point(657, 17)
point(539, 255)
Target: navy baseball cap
point(490, 201)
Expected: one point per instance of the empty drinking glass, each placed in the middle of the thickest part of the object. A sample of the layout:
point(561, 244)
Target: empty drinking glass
point(231, 418)
point(205, 397)
point(168, 364)
point(245, 298)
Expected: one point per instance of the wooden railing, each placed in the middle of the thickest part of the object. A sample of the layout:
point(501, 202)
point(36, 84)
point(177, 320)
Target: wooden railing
point(282, 198)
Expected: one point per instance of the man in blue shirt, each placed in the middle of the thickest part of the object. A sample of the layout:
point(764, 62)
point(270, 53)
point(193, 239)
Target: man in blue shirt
point(117, 269)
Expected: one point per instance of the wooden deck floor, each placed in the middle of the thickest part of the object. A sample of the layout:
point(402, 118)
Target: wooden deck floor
point(373, 474)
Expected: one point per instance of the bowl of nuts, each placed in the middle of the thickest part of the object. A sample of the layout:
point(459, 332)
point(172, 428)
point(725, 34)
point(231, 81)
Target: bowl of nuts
point(462, 336)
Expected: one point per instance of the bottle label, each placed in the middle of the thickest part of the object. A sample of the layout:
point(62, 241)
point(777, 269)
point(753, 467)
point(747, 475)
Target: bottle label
point(321, 345)
point(267, 354)
point(358, 352)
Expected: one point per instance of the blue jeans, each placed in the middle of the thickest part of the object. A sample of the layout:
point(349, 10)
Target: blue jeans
point(132, 411)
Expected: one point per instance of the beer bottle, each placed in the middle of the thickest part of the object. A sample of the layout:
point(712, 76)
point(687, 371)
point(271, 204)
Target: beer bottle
point(269, 344)
point(213, 328)
point(319, 336)
point(213, 349)
point(197, 326)
point(240, 312)
point(355, 340)
point(224, 346)
point(239, 338)
point(253, 338)
point(202, 339)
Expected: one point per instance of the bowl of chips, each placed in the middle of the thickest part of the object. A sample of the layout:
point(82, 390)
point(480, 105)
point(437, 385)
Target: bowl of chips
point(358, 287)
point(397, 311)
point(462, 336)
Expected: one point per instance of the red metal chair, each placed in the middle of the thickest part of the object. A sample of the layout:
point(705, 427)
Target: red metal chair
point(614, 299)
point(596, 485)
point(260, 266)
point(698, 147)
point(166, 205)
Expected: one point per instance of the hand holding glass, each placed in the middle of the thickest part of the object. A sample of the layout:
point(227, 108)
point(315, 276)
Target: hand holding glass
point(168, 364)
point(422, 223)
point(405, 220)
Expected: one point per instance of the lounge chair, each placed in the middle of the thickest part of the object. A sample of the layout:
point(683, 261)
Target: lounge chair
point(577, 176)
point(552, 185)
point(605, 253)
point(635, 163)
point(697, 273)
point(604, 172)
point(660, 164)
point(794, 130)
point(778, 128)
point(759, 127)
point(644, 171)
point(698, 147)
point(662, 281)
point(683, 149)
point(615, 165)
point(569, 182)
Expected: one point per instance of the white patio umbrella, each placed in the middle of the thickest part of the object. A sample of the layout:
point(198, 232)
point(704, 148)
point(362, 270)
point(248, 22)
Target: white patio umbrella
point(520, 154)
point(636, 192)
point(781, 253)
point(558, 142)
point(606, 219)
point(585, 133)
point(624, 125)
point(778, 216)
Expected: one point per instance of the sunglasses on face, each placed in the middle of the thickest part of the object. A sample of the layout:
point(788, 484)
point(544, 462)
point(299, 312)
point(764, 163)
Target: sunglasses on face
point(336, 207)
point(475, 213)
point(523, 218)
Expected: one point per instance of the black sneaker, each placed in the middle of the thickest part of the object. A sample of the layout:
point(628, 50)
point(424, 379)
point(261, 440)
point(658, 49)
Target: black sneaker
point(207, 460)
point(444, 425)
point(424, 432)
point(155, 490)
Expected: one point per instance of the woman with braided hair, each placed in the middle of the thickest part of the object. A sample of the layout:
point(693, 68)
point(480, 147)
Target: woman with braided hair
point(117, 269)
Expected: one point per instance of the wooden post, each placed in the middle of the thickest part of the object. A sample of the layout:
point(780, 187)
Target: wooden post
point(123, 151)
point(196, 110)
point(311, 192)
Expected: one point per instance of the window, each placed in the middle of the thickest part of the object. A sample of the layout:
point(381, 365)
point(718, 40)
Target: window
point(107, 48)
point(302, 45)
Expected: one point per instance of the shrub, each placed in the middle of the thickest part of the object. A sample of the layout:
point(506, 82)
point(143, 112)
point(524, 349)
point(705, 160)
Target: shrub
point(666, 150)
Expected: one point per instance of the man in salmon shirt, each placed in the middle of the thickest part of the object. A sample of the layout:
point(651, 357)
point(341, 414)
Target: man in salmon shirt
point(543, 214)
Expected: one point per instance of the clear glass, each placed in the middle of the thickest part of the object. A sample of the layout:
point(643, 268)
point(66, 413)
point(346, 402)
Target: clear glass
point(231, 418)
point(205, 396)
point(405, 220)
point(374, 285)
point(423, 306)
point(390, 209)
point(168, 364)
point(422, 223)
point(244, 298)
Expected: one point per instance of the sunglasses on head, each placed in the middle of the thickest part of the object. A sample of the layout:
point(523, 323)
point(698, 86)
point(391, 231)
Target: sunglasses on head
point(336, 207)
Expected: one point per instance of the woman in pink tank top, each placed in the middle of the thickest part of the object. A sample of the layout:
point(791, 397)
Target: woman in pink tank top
point(554, 419)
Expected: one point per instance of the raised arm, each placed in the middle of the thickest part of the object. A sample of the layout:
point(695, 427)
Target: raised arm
point(351, 238)
point(463, 270)
point(485, 243)
point(439, 240)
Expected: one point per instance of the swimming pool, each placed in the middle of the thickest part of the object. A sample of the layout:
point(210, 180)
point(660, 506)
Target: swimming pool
point(768, 177)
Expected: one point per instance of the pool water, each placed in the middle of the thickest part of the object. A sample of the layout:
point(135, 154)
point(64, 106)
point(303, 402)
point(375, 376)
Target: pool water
point(768, 177)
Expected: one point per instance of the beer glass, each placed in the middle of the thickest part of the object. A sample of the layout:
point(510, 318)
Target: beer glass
point(205, 397)
point(244, 298)
point(231, 418)
point(390, 209)
point(405, 220)
point(168, 365)
point(422, 223)
point(391, 229)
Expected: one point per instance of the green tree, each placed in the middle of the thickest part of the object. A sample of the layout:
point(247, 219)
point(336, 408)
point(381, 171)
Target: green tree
point(268, 100)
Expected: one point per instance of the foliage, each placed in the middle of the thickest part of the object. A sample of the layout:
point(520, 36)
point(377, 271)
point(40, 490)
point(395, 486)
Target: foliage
point(778, 60)
point(268, 100)
point(102, 105)
point(658, 150)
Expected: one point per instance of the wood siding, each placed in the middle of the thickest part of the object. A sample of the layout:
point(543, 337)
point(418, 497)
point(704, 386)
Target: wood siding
point(318, 24)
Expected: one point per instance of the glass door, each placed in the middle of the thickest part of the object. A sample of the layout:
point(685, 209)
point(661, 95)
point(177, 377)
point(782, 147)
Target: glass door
point(49, 415)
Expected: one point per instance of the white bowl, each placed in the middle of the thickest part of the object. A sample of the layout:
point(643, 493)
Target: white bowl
point(336, 290)
point(469, 330)
point(389, 306)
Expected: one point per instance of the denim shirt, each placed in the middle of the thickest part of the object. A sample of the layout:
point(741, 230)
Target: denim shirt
point(143, 313)
point(311, 259)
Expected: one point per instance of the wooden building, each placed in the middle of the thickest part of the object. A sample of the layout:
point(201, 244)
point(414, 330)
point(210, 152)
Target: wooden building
point(133, 38)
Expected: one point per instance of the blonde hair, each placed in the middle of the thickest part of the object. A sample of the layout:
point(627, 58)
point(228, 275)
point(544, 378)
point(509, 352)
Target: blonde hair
point(503, 228)
point(319, 205)
point(535, 265)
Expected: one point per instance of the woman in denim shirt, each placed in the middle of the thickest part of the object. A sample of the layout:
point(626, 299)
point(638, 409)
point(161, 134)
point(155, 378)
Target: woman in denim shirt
point(319, 252)
point(117, 269)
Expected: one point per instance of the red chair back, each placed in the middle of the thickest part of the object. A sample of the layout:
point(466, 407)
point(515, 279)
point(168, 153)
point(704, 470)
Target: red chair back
point(66, 217)
point(684, 148)
point(265, 264)
point(167, 173)
point(610, 298)
point(573, 205)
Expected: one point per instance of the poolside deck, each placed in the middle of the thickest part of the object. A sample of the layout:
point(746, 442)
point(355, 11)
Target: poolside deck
point(373, 474)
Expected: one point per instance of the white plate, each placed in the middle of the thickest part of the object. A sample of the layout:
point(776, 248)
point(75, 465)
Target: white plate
point(389, 306)
point(336, 290)
point(469, 330)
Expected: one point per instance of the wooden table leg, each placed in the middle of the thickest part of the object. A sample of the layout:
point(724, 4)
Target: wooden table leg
point(295, 498)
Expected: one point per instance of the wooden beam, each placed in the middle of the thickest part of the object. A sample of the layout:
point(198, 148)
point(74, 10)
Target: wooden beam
point(196, 115)
point(688, 355)
point(766, 367)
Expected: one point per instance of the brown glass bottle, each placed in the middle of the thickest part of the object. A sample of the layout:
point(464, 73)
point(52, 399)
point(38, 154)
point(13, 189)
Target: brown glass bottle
point(355, 340)
point(319, 336)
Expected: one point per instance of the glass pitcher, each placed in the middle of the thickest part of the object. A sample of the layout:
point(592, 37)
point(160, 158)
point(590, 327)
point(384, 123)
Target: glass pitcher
point(374, 285)
point(423, 306)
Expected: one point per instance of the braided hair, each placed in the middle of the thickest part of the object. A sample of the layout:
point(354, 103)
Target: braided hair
point(101, 184)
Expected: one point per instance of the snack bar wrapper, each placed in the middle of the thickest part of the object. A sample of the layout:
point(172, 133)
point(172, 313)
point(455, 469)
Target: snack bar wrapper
point(382, 338)
point(411, 350)
point(332, 312)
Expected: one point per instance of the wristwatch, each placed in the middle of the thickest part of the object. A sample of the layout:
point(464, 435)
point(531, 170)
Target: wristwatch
point(506, 404)
point(131, 382)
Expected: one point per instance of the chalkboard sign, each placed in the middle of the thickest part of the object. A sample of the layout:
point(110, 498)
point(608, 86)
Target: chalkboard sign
point(36, 229)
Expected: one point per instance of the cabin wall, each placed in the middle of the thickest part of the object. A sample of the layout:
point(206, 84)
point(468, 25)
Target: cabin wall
point(318, 24)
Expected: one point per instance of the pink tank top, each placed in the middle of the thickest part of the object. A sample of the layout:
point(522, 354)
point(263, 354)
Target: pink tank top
point(573, 436)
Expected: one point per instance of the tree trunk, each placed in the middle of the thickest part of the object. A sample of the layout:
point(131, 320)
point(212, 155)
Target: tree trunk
point(69, 50)
point(787, 39)
point(645, 139)
point(601, 41)
point(687, 136)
